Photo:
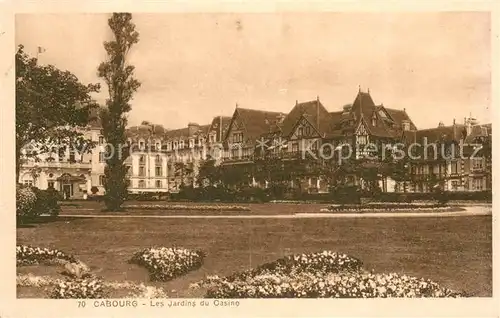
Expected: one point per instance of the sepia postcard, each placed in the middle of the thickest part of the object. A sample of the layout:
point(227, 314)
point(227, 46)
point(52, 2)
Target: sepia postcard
point(248, 158)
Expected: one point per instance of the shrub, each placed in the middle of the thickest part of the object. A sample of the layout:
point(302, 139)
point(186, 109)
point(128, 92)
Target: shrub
point(25, 203)
point(47, 202)
point(165, 264)
point(90, 288)
point(347, 194)
point(28, 255)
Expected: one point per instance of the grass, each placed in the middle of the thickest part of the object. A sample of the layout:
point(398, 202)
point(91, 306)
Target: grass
point(456, 252)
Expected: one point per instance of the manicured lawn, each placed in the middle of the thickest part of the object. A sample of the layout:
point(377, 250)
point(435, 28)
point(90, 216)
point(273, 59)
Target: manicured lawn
point(453, 251)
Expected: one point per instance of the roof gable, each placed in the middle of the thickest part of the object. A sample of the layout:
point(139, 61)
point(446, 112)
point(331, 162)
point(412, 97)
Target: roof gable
point(254, 123)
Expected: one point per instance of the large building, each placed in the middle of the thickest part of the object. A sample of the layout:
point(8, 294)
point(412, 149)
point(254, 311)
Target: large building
point(163, 160)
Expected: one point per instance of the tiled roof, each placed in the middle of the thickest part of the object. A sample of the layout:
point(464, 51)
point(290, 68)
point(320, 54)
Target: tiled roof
point(314, 112)
point(444, 133)
point(389, 126)
point(144, 131)
point(398, 116)
point(257, 122)
point(217, 122)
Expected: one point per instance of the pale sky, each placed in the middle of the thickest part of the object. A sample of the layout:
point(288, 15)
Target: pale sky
point(196, 66)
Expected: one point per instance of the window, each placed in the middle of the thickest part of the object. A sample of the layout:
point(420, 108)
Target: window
point(102, 156)
point(295, 147)
point(142, 184)
point(454, 167)
point(102, 179)
point(50, 185)
point(477, 184)
point(142, 171)
point(237, 137)
point(454, 185)
point(477, 163)
point(212, 138)
point(374, 120)
point(300, 132)
point(61, 153)
point(191, 143)
point(141, 145)
point(28, 183)
point(158, 171)
point(362, 140)
point(72, 156)
point(176, 145)
point(158, 146)
point(101, 140)
point(158, 160)
point(169, 146)
point(308, 131)
point(129, 170)
point(142, 159)
point(158, 184)
point(181, 144)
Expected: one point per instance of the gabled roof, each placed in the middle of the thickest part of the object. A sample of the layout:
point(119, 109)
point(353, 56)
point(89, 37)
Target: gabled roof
point(217, 123)
point(315, 113)
point(256, 122)
point(389, 126)
point(398, 116)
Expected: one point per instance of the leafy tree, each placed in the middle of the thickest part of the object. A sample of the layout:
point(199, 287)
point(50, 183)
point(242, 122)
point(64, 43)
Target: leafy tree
point(182, 171)
point(118, 76)
point(51, 105)
point(209, 173)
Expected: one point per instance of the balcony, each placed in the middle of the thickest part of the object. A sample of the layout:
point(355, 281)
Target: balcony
point(58, 164)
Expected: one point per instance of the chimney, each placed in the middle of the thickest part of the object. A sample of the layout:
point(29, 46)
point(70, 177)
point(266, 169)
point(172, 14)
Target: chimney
point(441, 124)
point(296, 102)
point(193, 128)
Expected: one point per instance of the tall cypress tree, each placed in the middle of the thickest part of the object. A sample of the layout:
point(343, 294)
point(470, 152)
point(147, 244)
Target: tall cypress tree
point(118, 76)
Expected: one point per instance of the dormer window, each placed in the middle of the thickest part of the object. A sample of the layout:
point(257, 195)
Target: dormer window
point(141, 145)
point(374, 120)
point(176, 145)
point(212, 138)
point(191, 143)
point(158, 146)
point(181, 144)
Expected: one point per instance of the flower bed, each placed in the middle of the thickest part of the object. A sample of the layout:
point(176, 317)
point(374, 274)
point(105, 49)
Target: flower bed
point(319, 275)
point(89, 288)
point(341, 285)
point(28, 255)
point(165, 264)
point(375, 207)
point(188, 207)
point(322, 262)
